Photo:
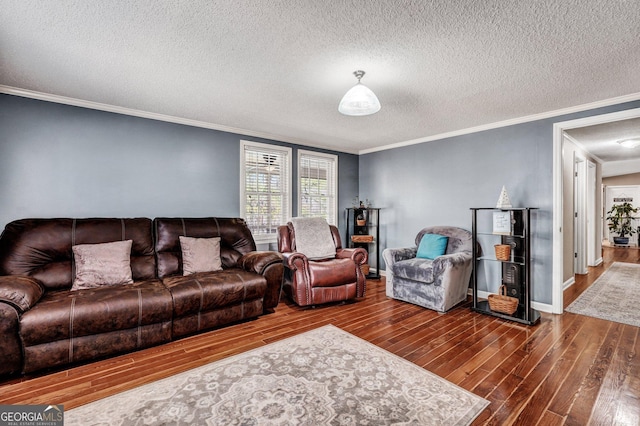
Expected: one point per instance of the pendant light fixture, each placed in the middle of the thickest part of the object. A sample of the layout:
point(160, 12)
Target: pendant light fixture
point(359, 100)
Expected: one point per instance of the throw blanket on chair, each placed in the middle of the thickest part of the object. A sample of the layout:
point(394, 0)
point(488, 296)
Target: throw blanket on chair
point(313, 237)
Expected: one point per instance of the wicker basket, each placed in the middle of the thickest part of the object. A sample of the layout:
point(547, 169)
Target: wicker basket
point(502, 303)
point(362, 238)
point(361, 222)
point(503, 251)
point(365, 269)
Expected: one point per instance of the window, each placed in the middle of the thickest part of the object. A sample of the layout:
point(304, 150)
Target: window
point(318, 185)
point(265, 188)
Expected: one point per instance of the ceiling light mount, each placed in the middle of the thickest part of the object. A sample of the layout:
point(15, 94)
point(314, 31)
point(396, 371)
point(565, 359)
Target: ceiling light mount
point(359, 100)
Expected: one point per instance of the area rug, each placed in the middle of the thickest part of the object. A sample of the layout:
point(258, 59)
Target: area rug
point(614, 296)
point(325, 376)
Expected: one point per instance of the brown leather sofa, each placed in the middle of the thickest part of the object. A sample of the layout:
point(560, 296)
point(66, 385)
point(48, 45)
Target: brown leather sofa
point(312, 282)
point(43, 323)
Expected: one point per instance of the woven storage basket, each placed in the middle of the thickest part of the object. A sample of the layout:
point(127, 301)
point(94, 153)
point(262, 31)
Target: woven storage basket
point(503, 251)
point(501, 303)
point(362, 238)
point(365, 269)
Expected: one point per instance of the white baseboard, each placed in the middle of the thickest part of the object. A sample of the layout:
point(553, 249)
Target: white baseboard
point(568, 283)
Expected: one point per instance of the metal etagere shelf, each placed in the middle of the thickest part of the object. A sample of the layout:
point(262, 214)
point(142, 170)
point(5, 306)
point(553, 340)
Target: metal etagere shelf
point(515, 273)
point(363, 226)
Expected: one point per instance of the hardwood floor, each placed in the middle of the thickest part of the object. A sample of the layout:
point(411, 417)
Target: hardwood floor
point(569, 369)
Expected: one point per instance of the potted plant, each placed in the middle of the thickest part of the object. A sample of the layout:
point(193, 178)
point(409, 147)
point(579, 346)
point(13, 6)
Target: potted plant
point(620, 221)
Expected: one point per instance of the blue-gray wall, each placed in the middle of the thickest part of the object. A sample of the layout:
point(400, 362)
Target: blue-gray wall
point(64, 161)
point(436, 183)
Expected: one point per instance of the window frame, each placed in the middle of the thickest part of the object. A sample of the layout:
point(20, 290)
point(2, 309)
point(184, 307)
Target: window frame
point(287, 196)
point(333, 220)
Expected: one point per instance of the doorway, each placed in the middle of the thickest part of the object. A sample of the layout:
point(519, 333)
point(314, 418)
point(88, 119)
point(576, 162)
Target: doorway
point(558, 193)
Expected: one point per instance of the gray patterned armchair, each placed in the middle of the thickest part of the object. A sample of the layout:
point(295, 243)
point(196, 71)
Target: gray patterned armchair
point(437, 284)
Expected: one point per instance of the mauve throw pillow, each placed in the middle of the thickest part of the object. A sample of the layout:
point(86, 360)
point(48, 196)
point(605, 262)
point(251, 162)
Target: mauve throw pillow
point(200, 255)
point(103, 264)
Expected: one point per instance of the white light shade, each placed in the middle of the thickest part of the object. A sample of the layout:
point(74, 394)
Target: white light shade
point(359, 100)
point(630, 143)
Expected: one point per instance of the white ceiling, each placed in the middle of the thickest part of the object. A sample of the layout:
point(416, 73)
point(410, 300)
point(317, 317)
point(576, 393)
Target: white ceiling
point(278, 68)
point(601, 141)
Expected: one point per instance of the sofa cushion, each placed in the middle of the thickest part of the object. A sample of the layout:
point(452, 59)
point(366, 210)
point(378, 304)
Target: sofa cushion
point(415, 269)
point(235, 240)
point(62, 315)
point(21, 292)
point(208, 291)
point(105, 264)
point(432, 246)
point(200, 255)
point(41, 248)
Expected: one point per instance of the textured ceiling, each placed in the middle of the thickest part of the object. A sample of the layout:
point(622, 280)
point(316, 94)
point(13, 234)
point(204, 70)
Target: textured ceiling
point(279, 68)
point(602, 141)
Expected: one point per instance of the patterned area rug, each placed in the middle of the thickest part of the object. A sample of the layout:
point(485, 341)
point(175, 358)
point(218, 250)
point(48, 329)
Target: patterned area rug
point(322, 377)
point(615, 296)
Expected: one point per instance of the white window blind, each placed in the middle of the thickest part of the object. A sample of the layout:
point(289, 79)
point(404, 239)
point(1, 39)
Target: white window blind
point(265, 188)
point(318, 185)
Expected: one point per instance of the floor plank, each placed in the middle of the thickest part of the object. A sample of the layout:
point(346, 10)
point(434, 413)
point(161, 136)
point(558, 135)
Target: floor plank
point(569, 369)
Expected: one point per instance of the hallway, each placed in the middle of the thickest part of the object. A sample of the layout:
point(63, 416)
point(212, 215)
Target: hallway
point(609, 255)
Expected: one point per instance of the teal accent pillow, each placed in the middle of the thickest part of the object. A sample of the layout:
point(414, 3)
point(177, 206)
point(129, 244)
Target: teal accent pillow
point(432, 246)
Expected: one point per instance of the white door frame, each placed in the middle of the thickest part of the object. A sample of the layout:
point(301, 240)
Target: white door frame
point(579, 214)
point(558, 128)
point(592, 221)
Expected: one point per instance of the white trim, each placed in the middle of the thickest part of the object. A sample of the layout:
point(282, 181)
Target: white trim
point(599, 261)
point(558, 134)
point(540, 307)
point(511, 122)
point(25, 93)
point(160, 117)
point(335, 182)
point(568, 283)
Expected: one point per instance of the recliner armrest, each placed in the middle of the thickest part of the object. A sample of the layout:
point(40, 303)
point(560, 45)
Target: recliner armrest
point(20, 291)
point(358, 255)
point(295, 260)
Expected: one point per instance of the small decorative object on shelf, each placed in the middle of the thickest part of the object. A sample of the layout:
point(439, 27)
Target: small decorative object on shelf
point(360, 219)
point(362, 238)
point(503, 251)
point(510, 270)
point(503, 303)
point(502, 223)
point(503, 200)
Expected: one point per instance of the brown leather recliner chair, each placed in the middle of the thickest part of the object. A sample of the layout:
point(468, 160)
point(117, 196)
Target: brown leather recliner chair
point(313, 282)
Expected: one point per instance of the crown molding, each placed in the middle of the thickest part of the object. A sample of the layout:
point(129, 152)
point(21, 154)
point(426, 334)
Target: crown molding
point(25, 93)
point(511, 122)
